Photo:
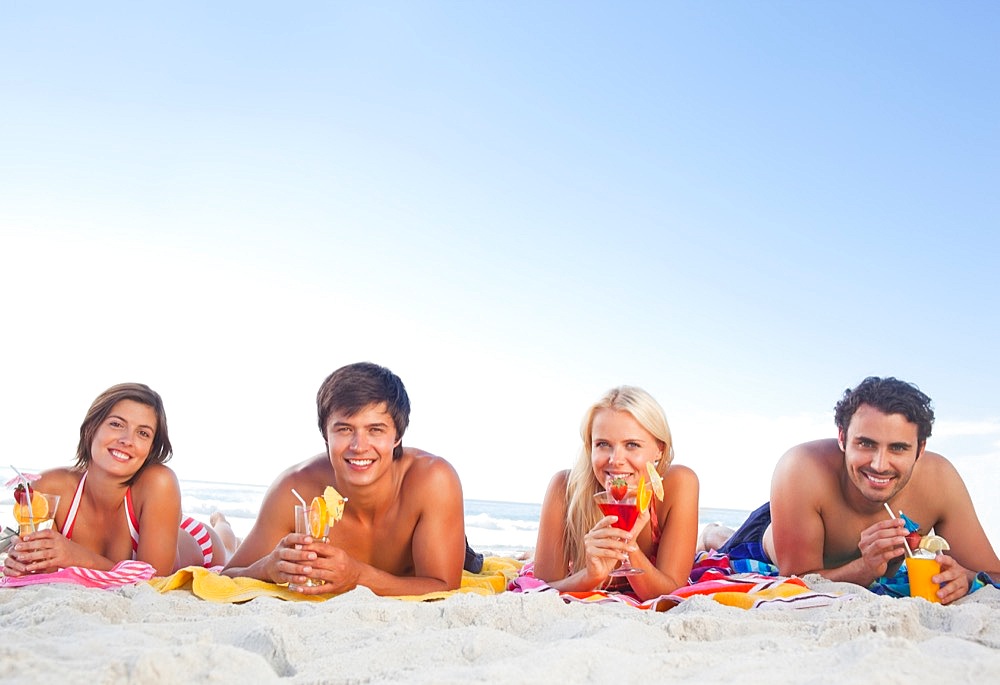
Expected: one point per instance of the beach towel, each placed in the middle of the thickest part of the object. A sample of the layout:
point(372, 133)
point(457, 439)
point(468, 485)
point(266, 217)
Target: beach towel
point(122, 573)
point(491, 580)
point(713, 577)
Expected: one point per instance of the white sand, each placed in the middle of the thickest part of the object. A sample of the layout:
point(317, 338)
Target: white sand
point(69, 634)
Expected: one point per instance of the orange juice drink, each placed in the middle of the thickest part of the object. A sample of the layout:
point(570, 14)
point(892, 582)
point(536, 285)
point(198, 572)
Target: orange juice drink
point(37, 514)
point(920, 570)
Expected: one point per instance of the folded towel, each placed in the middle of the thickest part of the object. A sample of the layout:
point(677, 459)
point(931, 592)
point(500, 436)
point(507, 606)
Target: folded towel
point(203, 583)
point(122, 573)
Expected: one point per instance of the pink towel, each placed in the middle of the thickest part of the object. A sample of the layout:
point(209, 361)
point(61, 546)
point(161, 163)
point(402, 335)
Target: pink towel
point(123, 573)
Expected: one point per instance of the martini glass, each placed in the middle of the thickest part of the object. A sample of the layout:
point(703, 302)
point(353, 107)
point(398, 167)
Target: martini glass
point(627, 511)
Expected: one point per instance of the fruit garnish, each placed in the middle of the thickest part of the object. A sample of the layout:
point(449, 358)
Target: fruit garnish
point(319, 518)
point(39, 509)
point(334, 503)
point(655, 480)
point(934, 543)
point(618, 488)
point(22, 492)
point(644, 495)
point(913, 540)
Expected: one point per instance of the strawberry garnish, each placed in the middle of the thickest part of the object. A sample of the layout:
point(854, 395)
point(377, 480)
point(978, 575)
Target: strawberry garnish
point(22, 493)
point(618, 488)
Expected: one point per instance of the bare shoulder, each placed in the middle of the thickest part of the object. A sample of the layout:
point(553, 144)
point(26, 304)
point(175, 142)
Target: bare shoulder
point(934, 477)
point(559, 482)
point(420, 466)
point(815, 457)
point(156, 479)
point(57, 481)
point(680, 476)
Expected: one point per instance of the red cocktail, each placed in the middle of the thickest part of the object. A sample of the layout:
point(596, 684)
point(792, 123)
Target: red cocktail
point(627, 511)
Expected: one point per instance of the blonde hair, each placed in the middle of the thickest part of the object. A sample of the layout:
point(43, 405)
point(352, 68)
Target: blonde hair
point(581, 510)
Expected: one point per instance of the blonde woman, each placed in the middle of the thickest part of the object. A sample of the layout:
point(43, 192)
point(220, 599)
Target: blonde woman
point(577, 547)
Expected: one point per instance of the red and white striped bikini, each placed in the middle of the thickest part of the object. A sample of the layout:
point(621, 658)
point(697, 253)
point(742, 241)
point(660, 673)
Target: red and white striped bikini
point(195, 529)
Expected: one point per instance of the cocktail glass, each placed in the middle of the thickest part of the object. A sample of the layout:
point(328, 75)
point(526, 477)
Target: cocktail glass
point(312, 521)
point(627, 511)
point(37, 514)
point(920, 570)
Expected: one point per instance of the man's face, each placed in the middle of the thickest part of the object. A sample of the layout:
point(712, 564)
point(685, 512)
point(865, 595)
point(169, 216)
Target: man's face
point(360, 446)
point(880, 451)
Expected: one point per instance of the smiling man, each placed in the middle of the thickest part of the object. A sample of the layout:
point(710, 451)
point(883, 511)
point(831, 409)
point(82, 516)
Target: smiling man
point(827, 511)
point(403, 529)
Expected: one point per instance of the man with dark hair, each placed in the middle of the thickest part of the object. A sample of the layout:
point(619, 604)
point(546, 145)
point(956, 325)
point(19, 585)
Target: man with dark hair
point(827, 512)
point(403, 530)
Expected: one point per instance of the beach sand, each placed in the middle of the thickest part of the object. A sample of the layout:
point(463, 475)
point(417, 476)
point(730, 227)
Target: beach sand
point(65, 633)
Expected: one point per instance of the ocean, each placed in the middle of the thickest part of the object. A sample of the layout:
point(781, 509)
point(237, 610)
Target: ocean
point(499, 528)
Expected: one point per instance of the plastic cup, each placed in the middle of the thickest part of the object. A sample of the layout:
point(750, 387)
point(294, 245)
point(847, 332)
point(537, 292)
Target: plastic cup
point(920, 570)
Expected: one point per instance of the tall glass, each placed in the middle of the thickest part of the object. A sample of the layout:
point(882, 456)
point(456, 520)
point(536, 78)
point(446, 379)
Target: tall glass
point(920, 570)
point(627, 511)
point(37, 514)
point(309, 522)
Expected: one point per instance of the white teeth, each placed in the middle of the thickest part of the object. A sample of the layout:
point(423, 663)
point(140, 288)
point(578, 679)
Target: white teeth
point(119, 455)
point(360, 462)
point(875, 479)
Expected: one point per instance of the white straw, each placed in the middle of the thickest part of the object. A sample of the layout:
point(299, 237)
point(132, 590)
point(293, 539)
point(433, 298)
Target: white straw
point(906, 545)
point(304, 505)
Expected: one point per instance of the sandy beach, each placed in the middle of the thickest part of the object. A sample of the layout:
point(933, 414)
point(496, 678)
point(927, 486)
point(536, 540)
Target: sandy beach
point(65, 633)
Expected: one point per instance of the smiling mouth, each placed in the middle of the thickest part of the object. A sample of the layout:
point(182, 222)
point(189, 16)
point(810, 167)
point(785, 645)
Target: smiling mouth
point(880, 481)
point(360, 463)
point(119, 455)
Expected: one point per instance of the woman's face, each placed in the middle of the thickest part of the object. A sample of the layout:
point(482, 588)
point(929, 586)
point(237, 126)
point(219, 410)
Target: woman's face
point(620, 446)
point(124, 438)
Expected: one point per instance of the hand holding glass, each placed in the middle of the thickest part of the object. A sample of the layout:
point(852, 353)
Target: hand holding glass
point(627, 511)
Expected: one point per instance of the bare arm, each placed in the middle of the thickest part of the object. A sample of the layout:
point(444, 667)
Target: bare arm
point(262, 551)
point(157, 499)
point(678, 538)
point(958, 522)
point(603, 543)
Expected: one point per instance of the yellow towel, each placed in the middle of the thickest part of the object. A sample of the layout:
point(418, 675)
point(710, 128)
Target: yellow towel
point(496, 573)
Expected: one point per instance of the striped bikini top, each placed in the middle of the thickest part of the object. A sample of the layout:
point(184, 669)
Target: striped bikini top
point(133, 523)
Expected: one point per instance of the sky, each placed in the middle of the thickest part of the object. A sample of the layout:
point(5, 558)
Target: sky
point(744, 208)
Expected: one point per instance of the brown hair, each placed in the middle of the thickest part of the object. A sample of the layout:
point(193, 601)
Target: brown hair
point(353, 387)
point(159, 453)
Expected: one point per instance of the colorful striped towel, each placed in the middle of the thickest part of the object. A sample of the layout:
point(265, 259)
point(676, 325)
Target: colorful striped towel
point(122, 573)
point(742, 590)
point(496, 573)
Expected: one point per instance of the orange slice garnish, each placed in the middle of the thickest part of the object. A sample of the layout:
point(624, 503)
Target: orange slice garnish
point(655, 480)
point(39, 510)
point(644, 494)
point(319, 518)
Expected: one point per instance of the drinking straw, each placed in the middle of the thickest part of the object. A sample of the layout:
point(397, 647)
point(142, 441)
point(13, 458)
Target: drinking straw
point(906, 546)
point(304, 505)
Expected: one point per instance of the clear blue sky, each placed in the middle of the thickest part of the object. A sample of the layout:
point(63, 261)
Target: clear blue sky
point(742, 207)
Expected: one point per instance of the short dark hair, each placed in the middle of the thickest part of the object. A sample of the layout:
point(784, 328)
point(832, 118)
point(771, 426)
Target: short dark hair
point(889, 396)
point(353, 387)
point(161, 450)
